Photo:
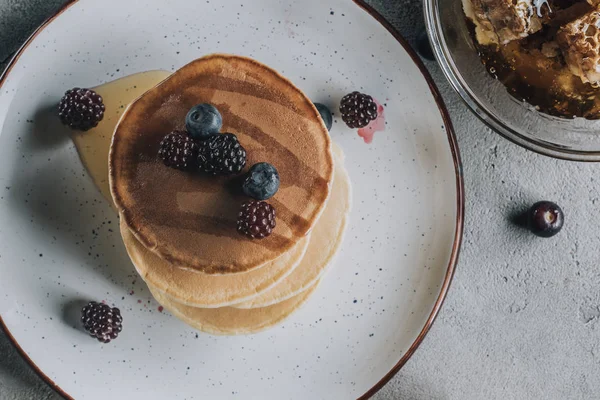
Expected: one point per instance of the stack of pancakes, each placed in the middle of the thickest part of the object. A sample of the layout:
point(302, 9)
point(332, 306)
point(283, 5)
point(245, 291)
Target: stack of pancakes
point(179, 228)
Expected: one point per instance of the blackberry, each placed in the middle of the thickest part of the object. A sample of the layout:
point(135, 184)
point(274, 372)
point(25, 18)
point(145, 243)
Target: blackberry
point(358, 109)
point(221, 155)
point(256, 219)
point(101, 321)
point(81, 109)
point(178, 150)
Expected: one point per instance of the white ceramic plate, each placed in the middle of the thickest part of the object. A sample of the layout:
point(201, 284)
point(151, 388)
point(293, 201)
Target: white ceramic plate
point(59, 242)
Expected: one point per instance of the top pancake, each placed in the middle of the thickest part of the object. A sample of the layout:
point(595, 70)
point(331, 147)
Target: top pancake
point(189, 219)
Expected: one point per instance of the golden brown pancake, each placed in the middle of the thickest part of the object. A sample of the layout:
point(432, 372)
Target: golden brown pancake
point(286, 276)
point(233, 321)
point(188, 219)
point(325, 240)
point(196, 289)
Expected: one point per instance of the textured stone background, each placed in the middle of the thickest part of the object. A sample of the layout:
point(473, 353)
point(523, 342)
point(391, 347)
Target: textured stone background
point(522, 319)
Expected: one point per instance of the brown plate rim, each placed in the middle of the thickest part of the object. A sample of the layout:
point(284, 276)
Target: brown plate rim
point(458, 233)
point(460, 197)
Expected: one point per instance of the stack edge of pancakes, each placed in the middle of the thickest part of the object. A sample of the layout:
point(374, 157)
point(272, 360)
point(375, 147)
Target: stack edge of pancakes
point(179, 228)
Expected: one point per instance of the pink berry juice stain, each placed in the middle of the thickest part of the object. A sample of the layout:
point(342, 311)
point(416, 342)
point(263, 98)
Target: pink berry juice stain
point(377, 125)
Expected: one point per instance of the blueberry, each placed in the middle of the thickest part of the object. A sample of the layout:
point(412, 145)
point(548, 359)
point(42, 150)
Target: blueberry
point(203, 121)
point(545, 219)
point(262, 181)
point(325, 115)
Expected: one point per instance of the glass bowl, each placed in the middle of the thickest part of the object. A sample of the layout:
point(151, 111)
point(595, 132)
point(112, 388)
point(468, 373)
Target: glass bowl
point(571, 139)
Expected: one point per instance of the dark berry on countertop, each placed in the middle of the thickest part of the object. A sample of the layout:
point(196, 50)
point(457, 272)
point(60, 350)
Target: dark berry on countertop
point(262, 181)
point(424, 46)
point(545, 218)
point(178, 150)
point(325, 115)
point(358, 109)
point(256, 219)
point(81, 109)
point(221, 155)
point(101, 321)
point(203, 121)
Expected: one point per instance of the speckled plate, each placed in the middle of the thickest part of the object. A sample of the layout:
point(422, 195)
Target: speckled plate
point(59, 240)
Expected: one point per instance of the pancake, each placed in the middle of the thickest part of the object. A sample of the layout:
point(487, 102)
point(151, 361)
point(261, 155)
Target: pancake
point(233, 321)
point(279, 280)
point(189, 219)
point(197, 289)
point(325, 240)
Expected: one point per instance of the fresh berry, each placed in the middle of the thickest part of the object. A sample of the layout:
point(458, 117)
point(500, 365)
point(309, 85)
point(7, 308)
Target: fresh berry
point(256, 219)
point(221, 155)
point(358, 109)
point(325, 115)
point(203, 121)
point(262, 181)
point(545, 219)
point(81, 109)
point(101, 321)
point(178, 150)
point(424, 46)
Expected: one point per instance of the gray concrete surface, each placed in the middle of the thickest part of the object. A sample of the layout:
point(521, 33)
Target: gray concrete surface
point(522, 320)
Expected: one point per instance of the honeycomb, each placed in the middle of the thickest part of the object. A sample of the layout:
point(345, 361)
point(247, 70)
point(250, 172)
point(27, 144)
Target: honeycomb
point(579, 41)
point(503, 21)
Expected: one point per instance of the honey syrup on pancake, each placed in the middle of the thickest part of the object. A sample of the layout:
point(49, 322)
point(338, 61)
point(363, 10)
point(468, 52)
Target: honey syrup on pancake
point(93, 146)
point(534, 70)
